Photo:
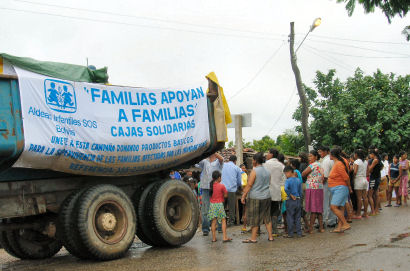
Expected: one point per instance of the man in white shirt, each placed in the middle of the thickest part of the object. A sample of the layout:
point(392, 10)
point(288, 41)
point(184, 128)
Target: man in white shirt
point(277, 179)
point(208, 165)
point(329, 218)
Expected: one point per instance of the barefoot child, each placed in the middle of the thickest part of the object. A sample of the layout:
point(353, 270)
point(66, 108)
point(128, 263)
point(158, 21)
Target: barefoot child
point(293, 189)
point(394, 181)
point(218, 193)
point(403, 176)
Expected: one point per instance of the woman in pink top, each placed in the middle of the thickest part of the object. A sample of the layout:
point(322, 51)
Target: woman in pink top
point(218, 194)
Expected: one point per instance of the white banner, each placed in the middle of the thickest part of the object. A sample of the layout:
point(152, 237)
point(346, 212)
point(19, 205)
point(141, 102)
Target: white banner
point(94, 129)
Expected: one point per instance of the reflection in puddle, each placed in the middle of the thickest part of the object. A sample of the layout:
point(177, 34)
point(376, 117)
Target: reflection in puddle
point(399, 237)
point(359, 245)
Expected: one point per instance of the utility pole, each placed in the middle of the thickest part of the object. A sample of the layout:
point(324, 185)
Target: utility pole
point(301, 89)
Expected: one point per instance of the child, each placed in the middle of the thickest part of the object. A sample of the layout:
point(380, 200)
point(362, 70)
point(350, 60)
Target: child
point(244, 176)
point(403, 176)
point(284, 197)
point(394, 181)
point(295, 164)
point(293, 189)
point(218, 193)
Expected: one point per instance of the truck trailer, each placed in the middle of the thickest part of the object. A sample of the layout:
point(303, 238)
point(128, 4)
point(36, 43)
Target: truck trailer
point(85, 165)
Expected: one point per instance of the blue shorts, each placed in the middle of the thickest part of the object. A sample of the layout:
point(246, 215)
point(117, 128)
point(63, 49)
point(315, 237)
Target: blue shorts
point(340, 195)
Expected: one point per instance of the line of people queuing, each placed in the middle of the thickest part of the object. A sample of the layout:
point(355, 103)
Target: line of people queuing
point(325, 185)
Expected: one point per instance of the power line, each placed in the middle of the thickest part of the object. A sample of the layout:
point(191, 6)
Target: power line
point(151, 18)
point(325, 58)
point(360, 56)
point(358, 47)
point(139, 25)
point(259, 71)
point(355, 40)
point(283, 111)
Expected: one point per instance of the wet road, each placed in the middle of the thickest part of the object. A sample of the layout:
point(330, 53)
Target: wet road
point(376, 243)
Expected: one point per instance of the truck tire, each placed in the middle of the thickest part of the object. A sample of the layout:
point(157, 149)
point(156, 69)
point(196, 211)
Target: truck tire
point(139, 232)
point(8, 248)
point(33, 244)
point(106, 221)
point(175, 212)
point(67, 227)
point(145, 230)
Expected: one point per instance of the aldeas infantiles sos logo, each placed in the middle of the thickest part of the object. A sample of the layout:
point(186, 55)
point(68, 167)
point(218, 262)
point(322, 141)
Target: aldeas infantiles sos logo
point(60, 96)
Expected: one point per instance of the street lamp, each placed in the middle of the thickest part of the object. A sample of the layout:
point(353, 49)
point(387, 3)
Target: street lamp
point(298, 78)
point(315, 24)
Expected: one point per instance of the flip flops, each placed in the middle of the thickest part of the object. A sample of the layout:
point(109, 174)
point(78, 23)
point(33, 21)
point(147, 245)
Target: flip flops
point(336, 231)
point(249, 241)
point(345, 229)
point(227, 240)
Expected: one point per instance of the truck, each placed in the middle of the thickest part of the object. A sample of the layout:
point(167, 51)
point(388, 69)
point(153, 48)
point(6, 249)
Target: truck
point(94, 185)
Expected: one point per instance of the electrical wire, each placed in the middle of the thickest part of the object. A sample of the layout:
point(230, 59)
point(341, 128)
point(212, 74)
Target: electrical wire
point(139, 25)
point(283, 110)
point(151, 18)
point(325, 58)
point(357, 47)
point(259, 71)
point(360, 56)
point(355, 40)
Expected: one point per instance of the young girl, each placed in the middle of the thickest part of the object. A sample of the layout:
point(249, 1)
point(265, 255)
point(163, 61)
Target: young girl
point(314, 191)
point(374, 167)
point(394, 181)
point(218, 193)
point(403, 175)
point(360, 183)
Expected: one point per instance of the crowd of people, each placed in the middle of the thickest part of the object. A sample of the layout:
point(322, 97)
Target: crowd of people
point(324, 188)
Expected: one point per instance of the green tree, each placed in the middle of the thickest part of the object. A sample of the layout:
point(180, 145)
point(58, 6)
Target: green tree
point(406, 32)
point(245, 144)
point(363, 111)
point(390, 8)
point(264, 144)
point(290, 142)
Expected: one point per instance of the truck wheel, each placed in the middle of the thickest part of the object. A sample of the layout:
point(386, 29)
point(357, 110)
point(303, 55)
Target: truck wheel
point(139, 232)
point(68, 231)
point(33, 244)
point(106, 221)
point(145, 230)
point(7, 247)
point(175, 212)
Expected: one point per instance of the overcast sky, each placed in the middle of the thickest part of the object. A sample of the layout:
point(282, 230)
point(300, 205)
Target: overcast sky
point(162, 43)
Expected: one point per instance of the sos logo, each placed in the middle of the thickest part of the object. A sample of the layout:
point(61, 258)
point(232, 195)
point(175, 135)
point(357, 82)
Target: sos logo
point(60, 96)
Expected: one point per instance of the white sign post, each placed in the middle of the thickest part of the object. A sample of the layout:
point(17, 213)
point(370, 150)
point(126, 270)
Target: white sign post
point(242, 120)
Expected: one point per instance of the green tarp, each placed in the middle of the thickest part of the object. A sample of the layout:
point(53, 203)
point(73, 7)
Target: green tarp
point(59, 70)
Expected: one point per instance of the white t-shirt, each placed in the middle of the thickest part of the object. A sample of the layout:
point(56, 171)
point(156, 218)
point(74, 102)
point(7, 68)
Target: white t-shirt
point(277, 177)
point(385, 169)
point(361, 168)
point(327, 165)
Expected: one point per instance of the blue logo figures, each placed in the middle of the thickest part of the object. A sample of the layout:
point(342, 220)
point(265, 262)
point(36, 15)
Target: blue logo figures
point(60, 96)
